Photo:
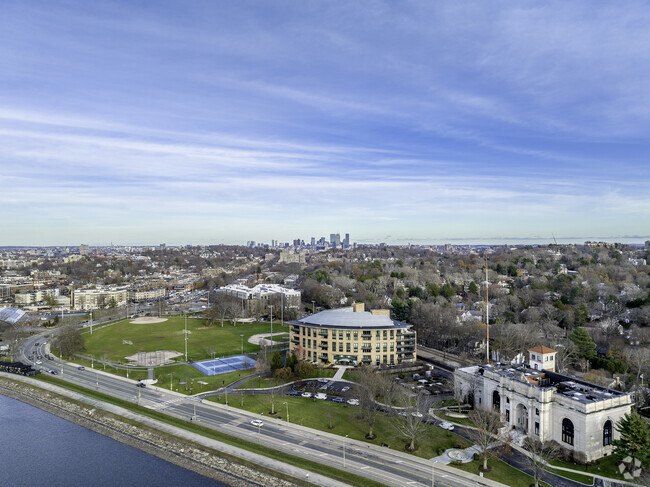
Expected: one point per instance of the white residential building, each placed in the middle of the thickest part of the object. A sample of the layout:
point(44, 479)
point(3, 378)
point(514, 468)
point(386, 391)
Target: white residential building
point(546, 405)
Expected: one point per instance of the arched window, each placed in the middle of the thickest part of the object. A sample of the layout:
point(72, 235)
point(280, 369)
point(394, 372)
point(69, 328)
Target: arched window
point(607, 433)
point(567, 431)
point(496, 400)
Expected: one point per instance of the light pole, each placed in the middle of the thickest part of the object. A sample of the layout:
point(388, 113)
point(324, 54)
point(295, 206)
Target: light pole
point(344, 443)
point(185, 336)
point(313, 307)
point(287, 405)
point(271, 306)
point(433, 474)
point(242, 344)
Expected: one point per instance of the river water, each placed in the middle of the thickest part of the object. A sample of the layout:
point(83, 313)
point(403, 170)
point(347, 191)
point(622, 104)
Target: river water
point(40, 449)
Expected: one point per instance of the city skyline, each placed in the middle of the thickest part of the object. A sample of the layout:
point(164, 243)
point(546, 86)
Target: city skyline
point(228, 122)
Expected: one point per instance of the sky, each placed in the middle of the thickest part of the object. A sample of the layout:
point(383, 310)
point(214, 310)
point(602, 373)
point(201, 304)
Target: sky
point(208, 122)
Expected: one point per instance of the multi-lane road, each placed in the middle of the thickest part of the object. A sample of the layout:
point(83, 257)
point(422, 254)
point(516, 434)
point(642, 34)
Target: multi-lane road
point(381, 464)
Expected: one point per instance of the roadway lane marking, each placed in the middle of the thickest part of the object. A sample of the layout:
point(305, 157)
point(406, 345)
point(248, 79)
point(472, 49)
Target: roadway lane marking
point(363, 468)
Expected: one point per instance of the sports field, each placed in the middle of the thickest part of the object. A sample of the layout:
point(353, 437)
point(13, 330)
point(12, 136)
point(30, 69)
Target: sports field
point(118, 341)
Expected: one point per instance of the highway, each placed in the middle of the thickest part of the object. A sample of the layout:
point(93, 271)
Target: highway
point(381, 464)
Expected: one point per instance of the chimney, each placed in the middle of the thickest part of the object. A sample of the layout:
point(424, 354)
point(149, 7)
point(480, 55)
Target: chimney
point(358, 307)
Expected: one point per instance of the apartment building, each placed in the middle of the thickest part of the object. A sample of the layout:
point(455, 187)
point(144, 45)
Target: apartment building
point(87, 299)
point(353, 336)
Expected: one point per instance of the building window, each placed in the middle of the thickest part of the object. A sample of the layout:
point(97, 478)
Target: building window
point(508, 415)
point(377, 347)
point(385, 334)
point(607, 433)
point(385, 347)
point(356, 347)
point(567, 431)
point(356, 335)
point(507, 400)
point(347, 335)
point(537, 428)
point(392, 333)
point(378, 335)
point(347, 347)
point(340, 334)
point(536, 411)
point(392, 346)
point(341, 347)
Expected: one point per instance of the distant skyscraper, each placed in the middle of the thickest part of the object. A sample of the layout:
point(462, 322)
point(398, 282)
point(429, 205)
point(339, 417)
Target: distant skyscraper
point(346, 242)
point(83, 249)
point(313, 241)
point(335, 240)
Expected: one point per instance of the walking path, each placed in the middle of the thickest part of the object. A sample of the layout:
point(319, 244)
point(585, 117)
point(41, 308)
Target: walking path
point(261, 338)
point(340, 372)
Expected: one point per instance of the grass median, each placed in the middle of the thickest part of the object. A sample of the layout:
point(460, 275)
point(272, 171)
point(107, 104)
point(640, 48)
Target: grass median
point(328, 471)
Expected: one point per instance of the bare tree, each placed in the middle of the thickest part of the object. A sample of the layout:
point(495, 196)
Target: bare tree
point(235, 312)
point(408, 423)
point(539, 454)
point(371, 386)
point(487, 433)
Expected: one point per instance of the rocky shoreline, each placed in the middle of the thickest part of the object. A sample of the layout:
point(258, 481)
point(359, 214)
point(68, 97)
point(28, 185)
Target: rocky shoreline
point(201, 460)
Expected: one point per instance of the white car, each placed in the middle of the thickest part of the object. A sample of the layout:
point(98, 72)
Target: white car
point(38, 362)
point(257, 422)
point(416, 414)
point(320, 395)
point(447, 425)
point(353, 402)
point(306, 394)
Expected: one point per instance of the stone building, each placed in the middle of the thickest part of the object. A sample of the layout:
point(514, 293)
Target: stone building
point(546, 405)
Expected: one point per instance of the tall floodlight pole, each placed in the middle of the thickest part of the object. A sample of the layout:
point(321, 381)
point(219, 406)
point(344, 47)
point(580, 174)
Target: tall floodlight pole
point(282, 308)
point(487, 310)
point(91, 321)
point(313, 307)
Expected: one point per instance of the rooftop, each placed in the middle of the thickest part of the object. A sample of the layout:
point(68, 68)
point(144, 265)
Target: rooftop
point(542, 349)
point(347, 318)
point(565, 385)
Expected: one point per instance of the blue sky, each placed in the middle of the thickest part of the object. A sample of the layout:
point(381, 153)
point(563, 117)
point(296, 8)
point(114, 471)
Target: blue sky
point(142, 122)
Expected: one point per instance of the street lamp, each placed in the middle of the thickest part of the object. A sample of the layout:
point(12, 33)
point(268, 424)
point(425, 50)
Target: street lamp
point(271, 306)
point(313, 307)
point(433, 474)
point(287, 405)
point(346, 436)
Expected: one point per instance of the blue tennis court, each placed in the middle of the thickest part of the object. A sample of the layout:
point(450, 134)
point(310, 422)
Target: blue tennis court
point(222, 365)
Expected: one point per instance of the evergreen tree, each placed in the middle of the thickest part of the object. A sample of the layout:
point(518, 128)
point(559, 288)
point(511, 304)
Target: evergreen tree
point(586, 346)
point(473, 288)
point(635, 438)
point(276, 361)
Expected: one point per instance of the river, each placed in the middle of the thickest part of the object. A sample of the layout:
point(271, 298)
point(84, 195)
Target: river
point(40, 449)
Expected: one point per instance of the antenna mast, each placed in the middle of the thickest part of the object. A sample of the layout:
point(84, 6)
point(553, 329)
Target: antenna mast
point(487, 312)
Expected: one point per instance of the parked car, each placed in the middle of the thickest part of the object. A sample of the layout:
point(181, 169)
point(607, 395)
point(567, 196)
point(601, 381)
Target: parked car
point(338, 399)
point(306, 394)
point(141, 384)
point(353, 402)
point(320, 395)
point(81, 367)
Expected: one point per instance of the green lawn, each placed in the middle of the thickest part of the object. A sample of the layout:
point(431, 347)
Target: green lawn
point(318, 414)
point(125, 338)
point(261, 383)
point(606, 466)
point(501, 472)
point(578, 477)
point(462, 421)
